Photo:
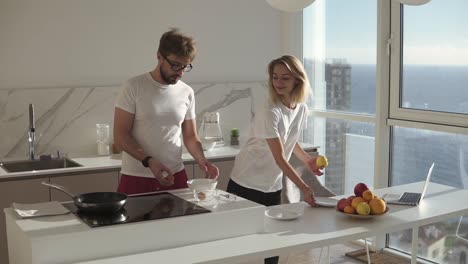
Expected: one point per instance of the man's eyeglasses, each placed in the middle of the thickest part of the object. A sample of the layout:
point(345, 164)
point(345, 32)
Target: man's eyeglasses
point(177, 67)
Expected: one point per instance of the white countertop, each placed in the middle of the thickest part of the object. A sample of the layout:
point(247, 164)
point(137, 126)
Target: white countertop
point(98, 163)
point(318, 227)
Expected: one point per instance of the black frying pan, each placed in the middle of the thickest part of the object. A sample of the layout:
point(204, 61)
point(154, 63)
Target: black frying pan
point(95, 202)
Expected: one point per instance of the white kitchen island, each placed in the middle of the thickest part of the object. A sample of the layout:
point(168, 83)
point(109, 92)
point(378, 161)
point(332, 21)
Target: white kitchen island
point(66, 239)
point(318, 227)
point(96, 174)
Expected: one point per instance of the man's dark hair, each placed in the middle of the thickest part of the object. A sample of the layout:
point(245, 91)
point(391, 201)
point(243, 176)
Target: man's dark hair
point(178, 44)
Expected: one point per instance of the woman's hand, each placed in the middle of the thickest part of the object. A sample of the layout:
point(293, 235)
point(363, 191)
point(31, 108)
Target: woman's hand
point(309, 197)
point(311, 165)
point(211, 171)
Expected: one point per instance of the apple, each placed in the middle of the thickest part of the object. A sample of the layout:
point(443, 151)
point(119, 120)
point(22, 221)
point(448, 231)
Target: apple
point(360, 188)
point(342, 204)
point(350, 198)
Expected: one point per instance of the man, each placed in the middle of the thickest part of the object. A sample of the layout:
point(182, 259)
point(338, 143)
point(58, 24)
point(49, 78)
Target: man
point(153, 112)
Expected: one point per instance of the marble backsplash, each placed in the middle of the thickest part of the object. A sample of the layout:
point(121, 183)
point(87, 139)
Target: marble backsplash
point(66, 118)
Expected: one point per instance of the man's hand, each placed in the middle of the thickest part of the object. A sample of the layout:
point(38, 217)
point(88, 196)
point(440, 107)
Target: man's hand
point(158, 170)
point(311, 165)
point(211, 171)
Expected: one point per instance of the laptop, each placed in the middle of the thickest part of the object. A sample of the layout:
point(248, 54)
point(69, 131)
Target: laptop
point(410, 198)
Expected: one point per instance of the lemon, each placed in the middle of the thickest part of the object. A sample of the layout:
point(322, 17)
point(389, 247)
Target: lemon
point(363, 208)
point(321, 161)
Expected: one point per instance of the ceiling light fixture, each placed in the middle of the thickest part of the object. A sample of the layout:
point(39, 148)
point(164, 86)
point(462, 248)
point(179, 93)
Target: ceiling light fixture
point(290, 5)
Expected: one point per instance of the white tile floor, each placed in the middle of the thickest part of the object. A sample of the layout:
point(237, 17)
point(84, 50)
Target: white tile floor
point(337, 256)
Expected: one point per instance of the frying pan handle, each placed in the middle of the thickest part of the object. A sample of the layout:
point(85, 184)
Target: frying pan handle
point(59, 187)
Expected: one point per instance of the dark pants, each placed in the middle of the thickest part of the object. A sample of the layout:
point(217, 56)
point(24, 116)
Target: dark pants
point(267, 199)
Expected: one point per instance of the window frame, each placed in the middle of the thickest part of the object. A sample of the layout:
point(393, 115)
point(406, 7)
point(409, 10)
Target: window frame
point(388, 111)
point(415, 118)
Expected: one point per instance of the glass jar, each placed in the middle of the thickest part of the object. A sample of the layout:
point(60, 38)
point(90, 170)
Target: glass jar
point(102, 133)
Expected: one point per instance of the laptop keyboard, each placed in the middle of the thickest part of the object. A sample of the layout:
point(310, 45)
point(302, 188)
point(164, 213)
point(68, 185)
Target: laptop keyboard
point(409, 197)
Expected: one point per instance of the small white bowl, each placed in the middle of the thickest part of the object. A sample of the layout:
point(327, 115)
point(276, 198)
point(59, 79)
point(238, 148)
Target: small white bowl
point(208, 145)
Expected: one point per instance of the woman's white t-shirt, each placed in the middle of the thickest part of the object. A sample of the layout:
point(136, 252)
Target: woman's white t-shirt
point(255, 167)
point(159, 112)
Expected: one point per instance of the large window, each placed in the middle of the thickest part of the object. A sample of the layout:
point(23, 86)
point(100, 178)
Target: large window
point(429, 71)
point(428, 112)
point(340, 60)
point(389, 84)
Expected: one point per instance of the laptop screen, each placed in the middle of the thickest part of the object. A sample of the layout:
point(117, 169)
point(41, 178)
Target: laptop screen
point(428, 179)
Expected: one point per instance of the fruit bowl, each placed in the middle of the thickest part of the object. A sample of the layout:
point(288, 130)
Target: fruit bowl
point(364, 216)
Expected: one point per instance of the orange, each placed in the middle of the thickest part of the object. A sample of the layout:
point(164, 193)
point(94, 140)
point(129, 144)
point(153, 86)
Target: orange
point(357, 201)
point(368, 195)
point(377, 206)
point(349, 209)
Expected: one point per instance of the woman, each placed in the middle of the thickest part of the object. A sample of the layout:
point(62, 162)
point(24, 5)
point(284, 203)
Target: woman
point(276, 128)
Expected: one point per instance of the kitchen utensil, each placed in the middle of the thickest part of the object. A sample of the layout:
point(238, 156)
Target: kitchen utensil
point(228, 196)
point(326, 201)
point(95, 202)
point(283, 214)
point(119, 217)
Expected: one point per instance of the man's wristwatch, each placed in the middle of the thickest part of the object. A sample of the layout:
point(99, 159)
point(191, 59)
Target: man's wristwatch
point(145, 161)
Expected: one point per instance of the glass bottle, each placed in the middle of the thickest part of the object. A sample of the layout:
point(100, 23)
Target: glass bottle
point(102, 132)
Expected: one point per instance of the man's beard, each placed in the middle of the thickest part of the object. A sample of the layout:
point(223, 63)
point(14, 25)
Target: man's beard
point(166, 77)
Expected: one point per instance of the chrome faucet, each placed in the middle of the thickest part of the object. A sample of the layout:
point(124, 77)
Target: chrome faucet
point(31, 132)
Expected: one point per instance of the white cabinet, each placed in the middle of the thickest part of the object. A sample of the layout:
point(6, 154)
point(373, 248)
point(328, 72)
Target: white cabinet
point(84, 183)
point(19, 191)
point(224, 167)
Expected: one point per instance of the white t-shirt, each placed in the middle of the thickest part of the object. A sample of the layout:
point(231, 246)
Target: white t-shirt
point(255, 167)
point(159, 112)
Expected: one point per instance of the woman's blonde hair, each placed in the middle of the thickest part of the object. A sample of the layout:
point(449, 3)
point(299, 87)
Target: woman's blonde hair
point(301, 90)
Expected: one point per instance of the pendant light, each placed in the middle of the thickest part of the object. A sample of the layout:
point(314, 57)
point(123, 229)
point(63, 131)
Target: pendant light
point(290, 5)
point(414, 2)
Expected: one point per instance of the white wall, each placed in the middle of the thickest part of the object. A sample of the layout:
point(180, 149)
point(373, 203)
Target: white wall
point(76, 43)
point(69, 57)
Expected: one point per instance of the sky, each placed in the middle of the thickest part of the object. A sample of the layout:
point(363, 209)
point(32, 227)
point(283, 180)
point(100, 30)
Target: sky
point(434, 33)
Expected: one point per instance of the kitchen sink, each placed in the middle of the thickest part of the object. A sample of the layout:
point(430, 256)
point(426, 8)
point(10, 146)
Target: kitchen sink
point(32, 165)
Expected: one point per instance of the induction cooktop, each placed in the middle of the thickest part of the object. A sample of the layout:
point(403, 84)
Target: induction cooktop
point(141, 208)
